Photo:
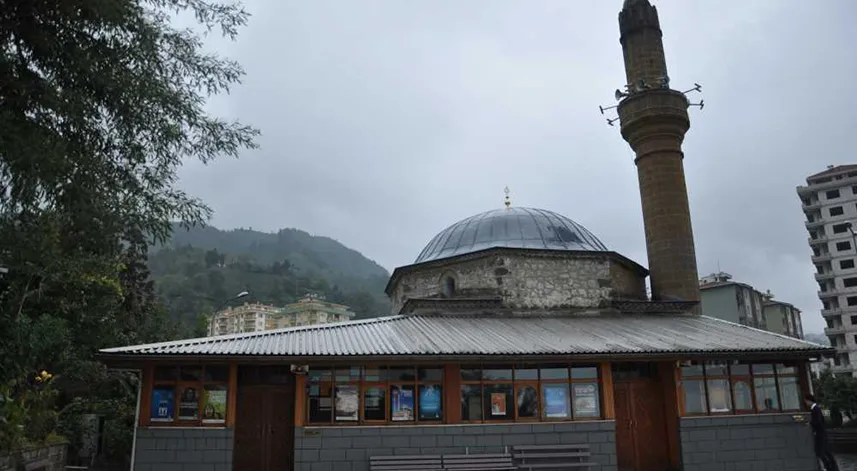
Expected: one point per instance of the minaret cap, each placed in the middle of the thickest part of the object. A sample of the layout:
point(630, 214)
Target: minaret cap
point(508, 201)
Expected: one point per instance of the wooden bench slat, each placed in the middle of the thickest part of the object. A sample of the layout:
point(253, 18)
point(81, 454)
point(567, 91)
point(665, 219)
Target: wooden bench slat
point(404, 457)
point(548, 447)
point(553, 455)
point(556, 465)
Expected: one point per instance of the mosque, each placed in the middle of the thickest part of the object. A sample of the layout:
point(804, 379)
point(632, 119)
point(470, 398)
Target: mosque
point(518, 341)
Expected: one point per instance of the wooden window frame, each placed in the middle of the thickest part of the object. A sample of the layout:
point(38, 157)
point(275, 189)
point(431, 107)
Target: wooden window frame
point(178, 385)
point(749, 378)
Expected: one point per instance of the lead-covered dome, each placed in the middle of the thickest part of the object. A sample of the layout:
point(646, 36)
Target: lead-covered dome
point(512, 227)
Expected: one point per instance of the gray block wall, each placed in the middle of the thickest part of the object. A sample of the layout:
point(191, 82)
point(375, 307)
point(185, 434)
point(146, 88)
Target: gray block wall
point(349, 448)
point(183, 449)
point(751, 442)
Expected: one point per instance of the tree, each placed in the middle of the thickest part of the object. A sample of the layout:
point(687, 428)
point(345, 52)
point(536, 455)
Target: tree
point(99, 104)
point(838, 394)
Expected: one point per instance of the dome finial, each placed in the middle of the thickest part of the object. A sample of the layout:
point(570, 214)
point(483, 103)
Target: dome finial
point(508, 201)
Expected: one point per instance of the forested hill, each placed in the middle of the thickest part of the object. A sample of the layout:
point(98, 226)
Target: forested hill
point(201, 267)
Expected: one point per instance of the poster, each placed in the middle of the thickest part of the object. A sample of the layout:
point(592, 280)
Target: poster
point(215, 405)
point(189, 404)
point(162, 405)
point(585, 400)
point(347, 408)
point(402, 403)
point(498, 404)
point(430, 402)
point(556, 401)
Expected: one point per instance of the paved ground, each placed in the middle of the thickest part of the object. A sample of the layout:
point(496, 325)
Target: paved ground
point(847, 462)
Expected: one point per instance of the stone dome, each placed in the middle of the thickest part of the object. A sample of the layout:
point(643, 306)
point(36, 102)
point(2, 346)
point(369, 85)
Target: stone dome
point(511, 227)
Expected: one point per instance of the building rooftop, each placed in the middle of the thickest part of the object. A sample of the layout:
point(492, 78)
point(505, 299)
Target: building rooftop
point(510, 227)
point(605, 333)
point(831, 170)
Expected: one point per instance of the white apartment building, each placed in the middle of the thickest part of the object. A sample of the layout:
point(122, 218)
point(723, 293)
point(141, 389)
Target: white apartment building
point(249, 317)
point(829, 202)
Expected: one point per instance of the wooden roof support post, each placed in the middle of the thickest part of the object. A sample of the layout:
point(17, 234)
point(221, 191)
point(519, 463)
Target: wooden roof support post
point(232, 395)
point(451, 391)
point(148, 379)
point(607, 390)
point(300, 400)
point(669, 373)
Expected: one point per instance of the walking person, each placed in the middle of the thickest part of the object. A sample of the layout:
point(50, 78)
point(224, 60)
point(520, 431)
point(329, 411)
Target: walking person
point(822, 450)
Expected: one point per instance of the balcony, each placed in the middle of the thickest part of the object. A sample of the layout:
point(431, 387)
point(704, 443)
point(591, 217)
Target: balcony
point(822, 239)
point(824, 276)
point(831, 293)
point(824, 257)
point(840, 329)
point(814, 223)
point(811, 206)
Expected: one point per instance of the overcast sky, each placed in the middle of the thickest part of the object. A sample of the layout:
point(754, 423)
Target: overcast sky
point(383, 122)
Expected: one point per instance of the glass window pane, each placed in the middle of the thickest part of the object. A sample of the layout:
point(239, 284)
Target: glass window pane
point(191, 373)
point(347, 404)
point(790, 392)
point(431, 402)
point(320, 402)
point(694, 397)
point(495, 373)
point(319, 374)
point(716, 369)
point(691, 370)
point(471, 403)
point(743, 392)
point(217, 373)
point(401, 403)
point(166, 373)
point(526, 374)
point(528, 402)
point(471, 373)
point(189, 403)
point(401, 374)
point(719, 398)
point(375, 403)
point(214, 397)
point(346, 374)
point(766, 394)
point(430, 374)
point(498, 401)
point(554, 372)
point(763, 368)
point(740, 369)
point(784, 369)
point(373, 374)
point(584, 372)
point(585, 398)
point(556, 401)
point(163, 404)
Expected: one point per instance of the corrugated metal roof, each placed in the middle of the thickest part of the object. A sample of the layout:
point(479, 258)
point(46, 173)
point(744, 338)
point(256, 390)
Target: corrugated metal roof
point(410, 335)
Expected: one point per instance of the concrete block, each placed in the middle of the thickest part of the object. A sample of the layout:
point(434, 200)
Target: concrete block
point(336, 442)
point(366, 442)
point(489, 440)
point(395, 442)
point(356, 455)
point(424, 441)
point(302, 455)
point(519, 439)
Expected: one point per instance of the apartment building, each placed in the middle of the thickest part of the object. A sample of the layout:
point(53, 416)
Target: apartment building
point(308, 310)
point(248, 317)
point(829, 202)
point(732, 301)
point(781, 317)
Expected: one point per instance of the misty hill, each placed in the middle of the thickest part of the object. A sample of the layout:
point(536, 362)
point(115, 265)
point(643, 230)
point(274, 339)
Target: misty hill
point(201, 267)
point(817, 338)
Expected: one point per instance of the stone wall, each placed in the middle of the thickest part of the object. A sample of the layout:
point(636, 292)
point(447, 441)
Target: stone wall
point(349, 448)
point(48, 458)
point(765, 441)
point(526, 281)
point(183, 449)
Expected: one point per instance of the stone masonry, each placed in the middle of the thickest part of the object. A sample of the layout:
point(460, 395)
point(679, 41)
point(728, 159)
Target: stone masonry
point(527, 280)
point(349, 448)
point(183, 449)
point(751, 442)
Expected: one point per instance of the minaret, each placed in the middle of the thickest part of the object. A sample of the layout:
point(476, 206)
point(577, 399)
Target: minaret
point(654, 120)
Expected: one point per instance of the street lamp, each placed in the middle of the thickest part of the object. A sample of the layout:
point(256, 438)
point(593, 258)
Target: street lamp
point(240, 295)
point(850, 226)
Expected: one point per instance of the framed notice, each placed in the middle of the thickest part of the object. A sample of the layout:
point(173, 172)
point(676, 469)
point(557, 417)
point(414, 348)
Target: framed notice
point(498, 403)
point(189, 404)
point(214, 411)
point(346, 404)
point(402, 403)
point(430, 402)
point(556, 401)
point(585, 400)
point(162, 407)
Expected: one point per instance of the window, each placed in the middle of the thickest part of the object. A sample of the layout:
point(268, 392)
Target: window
point(448, 287)
point(832, 194)
point(849, 282)
point(851, 300)
point(853, 320)
point(846, 264)
point(189, 395)
point(731, 387)
point(843, 246)
point(356, 394)
point(840, 228)
point(528, 393)
point(837, 211)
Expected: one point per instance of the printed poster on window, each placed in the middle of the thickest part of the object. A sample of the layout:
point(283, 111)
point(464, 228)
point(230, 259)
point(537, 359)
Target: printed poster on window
point(585, 400)
point(189, 404)
point(402, 403)
point(556, 401)
point(498, 403)
point(430, 400)
point(215, 405)
point(347, 408)
point(162, 405)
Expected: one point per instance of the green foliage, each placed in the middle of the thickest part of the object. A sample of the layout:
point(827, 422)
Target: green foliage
point(27, 414)
point(837, 393)
point(197, 272)
point(100, 102)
